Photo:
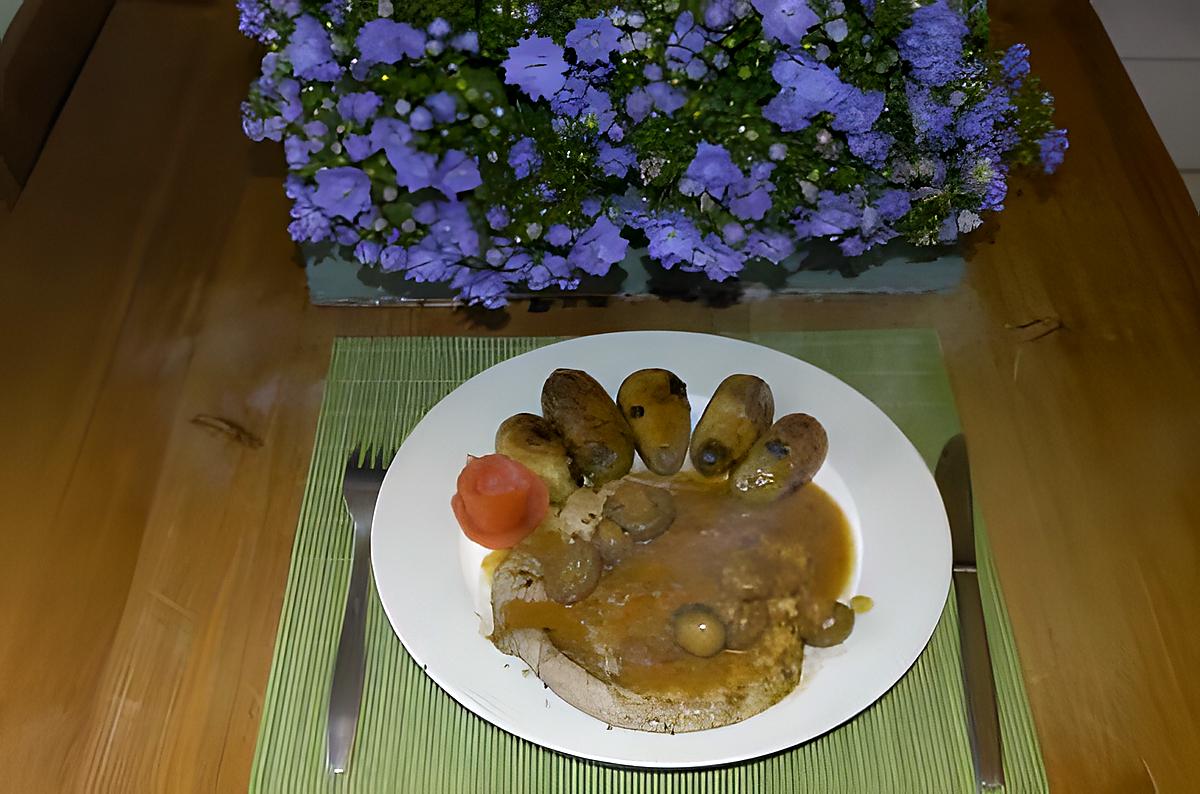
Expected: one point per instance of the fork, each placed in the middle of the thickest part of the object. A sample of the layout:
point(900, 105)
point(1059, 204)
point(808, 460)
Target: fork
point(360, 489)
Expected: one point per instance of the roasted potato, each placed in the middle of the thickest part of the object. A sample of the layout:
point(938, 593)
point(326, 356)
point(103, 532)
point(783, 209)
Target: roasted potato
point(533, 441)
point(597, 438)
point(741, 409)
point(655, 404)
point(784, 458)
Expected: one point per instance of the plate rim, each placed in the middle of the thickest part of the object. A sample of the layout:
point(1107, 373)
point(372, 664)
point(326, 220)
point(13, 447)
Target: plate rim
point(874, 693)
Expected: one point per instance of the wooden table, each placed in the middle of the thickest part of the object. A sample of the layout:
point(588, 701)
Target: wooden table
point(148, 281)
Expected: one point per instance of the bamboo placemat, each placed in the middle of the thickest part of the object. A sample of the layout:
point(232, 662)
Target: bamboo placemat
point(413, 737)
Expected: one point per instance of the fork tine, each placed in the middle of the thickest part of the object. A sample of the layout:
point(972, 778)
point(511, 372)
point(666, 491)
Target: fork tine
point(353, 461)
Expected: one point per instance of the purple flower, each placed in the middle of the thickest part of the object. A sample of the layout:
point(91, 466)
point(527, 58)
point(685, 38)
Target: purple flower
point(345, 235)
point(634, 41)
point(719, 14)
point(594, 39)
point(386, 41)
point(809, 87)
point(590, 206)
point(985, 124)
point(443, 106)
point(750, 200)
point(552, 271)
point(359, 107)
point(686, 43)
point(836, 29)
point(835, 213)
point(387, 132)
point(259, 129)
point(536, 65)
point(598, 248)
point(558, 234)
point(615, 160)
point(987, 176)
point(638, 104)
point(367, 252)
point(342, 192)
point(666, 98)
point(439, 27)
point(487, 288)
point(252, 21)
point(336, 10)
point(1053, 149)
point(453, 230)
point(425, 213)
point(715, 259)
point(497, 217)
point(1015, 64)
point(289, 94)
point(310, 51)
point(368, 219)
point(733, 233)
point(785, 21)
point(426, 262)
point(523, 157)
point(933, 121)
point(414, 169)
point(297, 150)
point(421, 119)
point(579, 98)
point(893, 205)
point(856, 110)
point(466, 42)
point(933, 44)
point(457, 173)
point(712, 170)
point(673, 239)
point(772, 246)
point(871, 147)
point(309, 223)
point(393, 257)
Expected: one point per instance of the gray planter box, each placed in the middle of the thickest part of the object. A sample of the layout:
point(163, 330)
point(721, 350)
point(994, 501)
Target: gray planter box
point(334, 278)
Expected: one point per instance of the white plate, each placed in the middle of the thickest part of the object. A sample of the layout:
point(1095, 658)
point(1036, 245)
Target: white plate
point(429, 579)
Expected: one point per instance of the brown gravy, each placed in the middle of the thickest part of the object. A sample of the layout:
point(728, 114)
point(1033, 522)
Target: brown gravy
point(718, 548)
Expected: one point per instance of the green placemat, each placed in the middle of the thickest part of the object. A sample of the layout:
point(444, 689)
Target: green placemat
point(413, 737)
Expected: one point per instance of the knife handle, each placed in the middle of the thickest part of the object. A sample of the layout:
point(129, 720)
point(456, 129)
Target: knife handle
point(983, 719)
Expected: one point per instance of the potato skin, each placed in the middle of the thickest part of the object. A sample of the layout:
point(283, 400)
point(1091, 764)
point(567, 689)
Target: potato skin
point(597, 437)
point(533, 441)
point(784, 458)
point(740, 410)
point(655, 404)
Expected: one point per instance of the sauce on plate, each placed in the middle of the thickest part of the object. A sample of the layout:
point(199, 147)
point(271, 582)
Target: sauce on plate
point(719, 551)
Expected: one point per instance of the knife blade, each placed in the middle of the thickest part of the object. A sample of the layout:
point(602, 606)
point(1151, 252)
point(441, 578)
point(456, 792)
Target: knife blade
point(953, 477)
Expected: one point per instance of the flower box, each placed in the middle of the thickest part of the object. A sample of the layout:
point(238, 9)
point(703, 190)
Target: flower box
point(481, 151)
point(336, 278)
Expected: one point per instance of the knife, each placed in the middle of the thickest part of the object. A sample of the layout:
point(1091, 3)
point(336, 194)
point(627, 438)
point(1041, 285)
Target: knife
point(953, 477)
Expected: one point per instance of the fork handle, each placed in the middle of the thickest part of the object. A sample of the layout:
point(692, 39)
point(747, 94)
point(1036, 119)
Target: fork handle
point(345, 692)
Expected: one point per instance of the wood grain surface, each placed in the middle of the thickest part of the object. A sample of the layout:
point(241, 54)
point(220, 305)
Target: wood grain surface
point(162, 373)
